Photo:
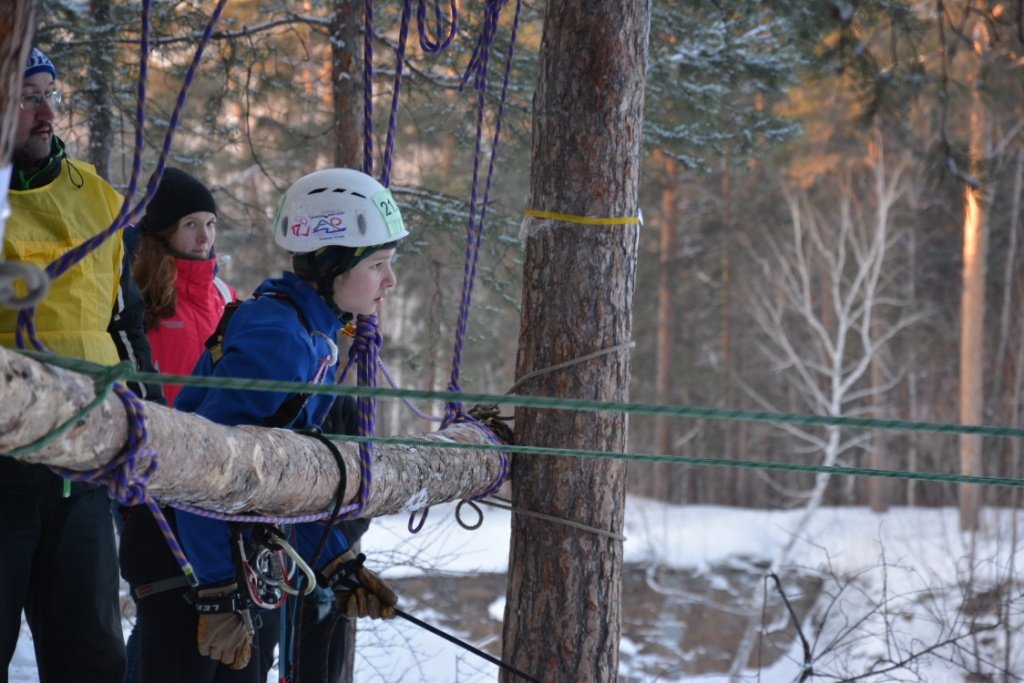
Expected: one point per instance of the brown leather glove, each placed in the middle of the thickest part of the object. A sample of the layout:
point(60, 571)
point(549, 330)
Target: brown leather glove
point(359, 592)
point(223, 635)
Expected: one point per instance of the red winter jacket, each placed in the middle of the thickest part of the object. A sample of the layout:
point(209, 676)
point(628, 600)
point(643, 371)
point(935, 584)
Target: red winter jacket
point(179, 340)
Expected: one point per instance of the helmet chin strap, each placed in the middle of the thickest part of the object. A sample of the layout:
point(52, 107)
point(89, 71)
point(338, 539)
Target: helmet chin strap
point(325, 288)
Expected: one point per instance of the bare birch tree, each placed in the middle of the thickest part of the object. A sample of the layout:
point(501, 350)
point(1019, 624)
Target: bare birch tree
point(825, 311)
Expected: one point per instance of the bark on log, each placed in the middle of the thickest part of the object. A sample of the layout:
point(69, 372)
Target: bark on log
point(231, 469)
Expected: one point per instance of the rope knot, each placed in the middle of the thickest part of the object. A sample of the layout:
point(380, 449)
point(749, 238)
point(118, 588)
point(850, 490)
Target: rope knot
point(367, 339)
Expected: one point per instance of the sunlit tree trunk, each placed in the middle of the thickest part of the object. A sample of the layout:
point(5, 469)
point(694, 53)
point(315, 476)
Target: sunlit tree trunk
point(972, 303)
point(563, 613)
point(347, 76)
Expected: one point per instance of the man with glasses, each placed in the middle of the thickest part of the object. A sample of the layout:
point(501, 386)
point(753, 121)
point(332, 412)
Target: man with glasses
point(58, 561)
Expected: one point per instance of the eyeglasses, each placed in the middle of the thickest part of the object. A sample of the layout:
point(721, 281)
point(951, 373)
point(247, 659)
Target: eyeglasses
point(33, 102)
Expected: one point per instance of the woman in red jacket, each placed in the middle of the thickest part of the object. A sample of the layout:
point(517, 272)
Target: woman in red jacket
point(176, 270)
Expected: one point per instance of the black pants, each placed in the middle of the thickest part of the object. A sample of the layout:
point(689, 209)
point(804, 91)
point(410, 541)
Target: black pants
point(58, 563)
point(320, 645)
point(168, 653)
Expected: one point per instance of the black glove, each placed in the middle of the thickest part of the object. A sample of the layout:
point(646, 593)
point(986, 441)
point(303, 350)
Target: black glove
point(359, 592)
point(225, 625)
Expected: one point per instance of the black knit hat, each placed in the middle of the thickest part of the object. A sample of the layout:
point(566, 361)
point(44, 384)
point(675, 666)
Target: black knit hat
point(179, 195)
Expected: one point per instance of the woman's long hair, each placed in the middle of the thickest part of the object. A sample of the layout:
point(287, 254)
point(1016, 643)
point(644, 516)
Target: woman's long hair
point(154, 271)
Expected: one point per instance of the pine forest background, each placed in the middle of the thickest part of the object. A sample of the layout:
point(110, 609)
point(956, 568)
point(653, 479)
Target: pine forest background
point(811, 170)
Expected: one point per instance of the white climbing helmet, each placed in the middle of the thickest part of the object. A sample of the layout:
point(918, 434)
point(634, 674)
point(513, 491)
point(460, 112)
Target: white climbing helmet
point(337, 207)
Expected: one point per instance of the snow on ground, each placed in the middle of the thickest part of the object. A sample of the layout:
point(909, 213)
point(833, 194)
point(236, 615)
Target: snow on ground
point(900, 592)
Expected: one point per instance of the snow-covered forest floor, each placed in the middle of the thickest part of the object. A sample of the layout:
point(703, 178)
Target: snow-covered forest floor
point(901, 596)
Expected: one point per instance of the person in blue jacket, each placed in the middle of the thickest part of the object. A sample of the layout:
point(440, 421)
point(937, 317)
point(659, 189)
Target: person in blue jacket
point(342, 228)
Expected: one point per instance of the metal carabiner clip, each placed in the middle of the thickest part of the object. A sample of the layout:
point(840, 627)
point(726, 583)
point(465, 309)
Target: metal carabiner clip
point(274, 539)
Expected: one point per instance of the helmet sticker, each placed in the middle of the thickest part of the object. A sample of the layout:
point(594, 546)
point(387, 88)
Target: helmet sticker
point(320, 227)
point(389, 211)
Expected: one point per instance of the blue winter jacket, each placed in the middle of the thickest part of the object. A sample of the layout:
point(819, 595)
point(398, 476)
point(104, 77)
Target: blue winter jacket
point(265, 339)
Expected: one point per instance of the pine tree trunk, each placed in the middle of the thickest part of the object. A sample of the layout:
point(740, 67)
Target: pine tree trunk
point(100, 77)
point(347, 76)
point(231, 469)
point(563, 614)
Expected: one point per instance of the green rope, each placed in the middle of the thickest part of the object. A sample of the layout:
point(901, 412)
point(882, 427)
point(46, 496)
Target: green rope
point(103, 380)
point(126, 372)
point(728, 414)
point(689, 460)
point(582, 404)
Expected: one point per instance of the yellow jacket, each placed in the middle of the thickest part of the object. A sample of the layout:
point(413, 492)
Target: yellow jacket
point(45, 223)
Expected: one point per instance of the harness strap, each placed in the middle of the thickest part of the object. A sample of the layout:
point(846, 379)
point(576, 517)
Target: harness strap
point(147, 589)
point(236, 602)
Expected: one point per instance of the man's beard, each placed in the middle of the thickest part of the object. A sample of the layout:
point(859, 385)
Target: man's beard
point(33, 151)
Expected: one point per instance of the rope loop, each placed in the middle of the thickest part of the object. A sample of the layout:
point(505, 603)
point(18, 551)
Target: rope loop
point(479, 515)
point(415, 528)
point(438, 43)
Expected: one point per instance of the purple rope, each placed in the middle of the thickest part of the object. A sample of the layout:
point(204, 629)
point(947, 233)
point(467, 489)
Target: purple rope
point(126, 482)
point(439, 43)
point(394, 385)
point(365, 349)
point(264, 519)
point(389, 145)
point(474, 233)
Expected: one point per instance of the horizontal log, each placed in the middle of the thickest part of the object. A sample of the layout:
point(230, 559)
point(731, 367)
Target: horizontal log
point(234, 470)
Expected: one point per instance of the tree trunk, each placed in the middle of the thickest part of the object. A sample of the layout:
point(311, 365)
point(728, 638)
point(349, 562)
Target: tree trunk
point(17, 24)
point(100, 76)
point(668, 275)
point(347, 76)
point(972, 303)
point(563, 613)
point(737, 480)
point(231, 469)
